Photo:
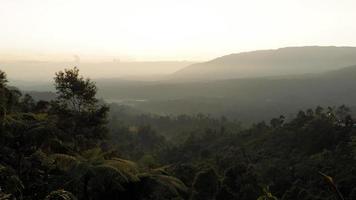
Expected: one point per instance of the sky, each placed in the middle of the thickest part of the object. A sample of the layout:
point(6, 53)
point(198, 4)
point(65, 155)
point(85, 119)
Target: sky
point(154, 30)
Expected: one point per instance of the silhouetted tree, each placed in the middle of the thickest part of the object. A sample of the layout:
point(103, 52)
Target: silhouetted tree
point(74, 91)
point(78, 109)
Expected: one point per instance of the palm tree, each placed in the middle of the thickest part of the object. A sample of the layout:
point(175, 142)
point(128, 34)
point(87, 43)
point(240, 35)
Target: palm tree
point(60, 195)
point(267, 195)
point(95, 174)
point(330, 181)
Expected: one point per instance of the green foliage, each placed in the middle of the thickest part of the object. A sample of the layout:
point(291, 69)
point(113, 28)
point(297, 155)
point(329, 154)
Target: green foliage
point(148, 161)
point(286, 155)
point(205, 185)
point(27, 103)
point(62, 150)
point(77, 109)
point(74, 91)
point(60, 195)
point(160, 187)
point(10, 183)
point(3, 79)
point(55, 150)
point(267, 195)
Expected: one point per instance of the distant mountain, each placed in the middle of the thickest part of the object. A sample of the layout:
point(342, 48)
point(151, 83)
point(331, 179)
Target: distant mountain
point(290, 60)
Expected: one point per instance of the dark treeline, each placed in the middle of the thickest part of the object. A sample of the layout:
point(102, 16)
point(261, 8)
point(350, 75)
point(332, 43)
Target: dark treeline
point(74, 147)
point(218, 159)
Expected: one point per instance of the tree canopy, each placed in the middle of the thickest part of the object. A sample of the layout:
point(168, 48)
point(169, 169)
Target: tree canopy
point(74, 148)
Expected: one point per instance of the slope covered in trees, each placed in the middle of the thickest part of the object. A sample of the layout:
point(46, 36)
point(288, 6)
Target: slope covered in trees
point(281, 159)
point(250, 99)
point(60, 149)
point(72, 147)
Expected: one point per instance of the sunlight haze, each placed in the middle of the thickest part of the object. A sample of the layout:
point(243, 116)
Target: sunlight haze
point(177, 99)
point(193, 30)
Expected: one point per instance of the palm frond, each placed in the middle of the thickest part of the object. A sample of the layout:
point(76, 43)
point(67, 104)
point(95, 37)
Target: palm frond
point(60, 195)
point(64, 162)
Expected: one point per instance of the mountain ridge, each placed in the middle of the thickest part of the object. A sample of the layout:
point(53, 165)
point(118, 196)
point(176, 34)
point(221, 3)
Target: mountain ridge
point(282, 61)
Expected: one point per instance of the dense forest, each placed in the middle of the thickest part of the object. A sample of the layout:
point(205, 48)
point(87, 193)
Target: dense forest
point(245, 99)
point(76, 146)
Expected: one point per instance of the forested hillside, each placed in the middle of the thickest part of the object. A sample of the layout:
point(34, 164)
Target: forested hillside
point(73, 147)
point(247, 100)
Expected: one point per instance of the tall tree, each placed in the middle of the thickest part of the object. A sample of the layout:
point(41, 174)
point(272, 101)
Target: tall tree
point(3, 81)
point(74, 90)
point(79, 111)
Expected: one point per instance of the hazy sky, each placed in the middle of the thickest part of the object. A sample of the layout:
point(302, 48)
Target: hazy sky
point(170, 29)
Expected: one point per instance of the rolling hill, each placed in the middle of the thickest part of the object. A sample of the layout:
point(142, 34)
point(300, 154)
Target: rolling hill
point(289, 60)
